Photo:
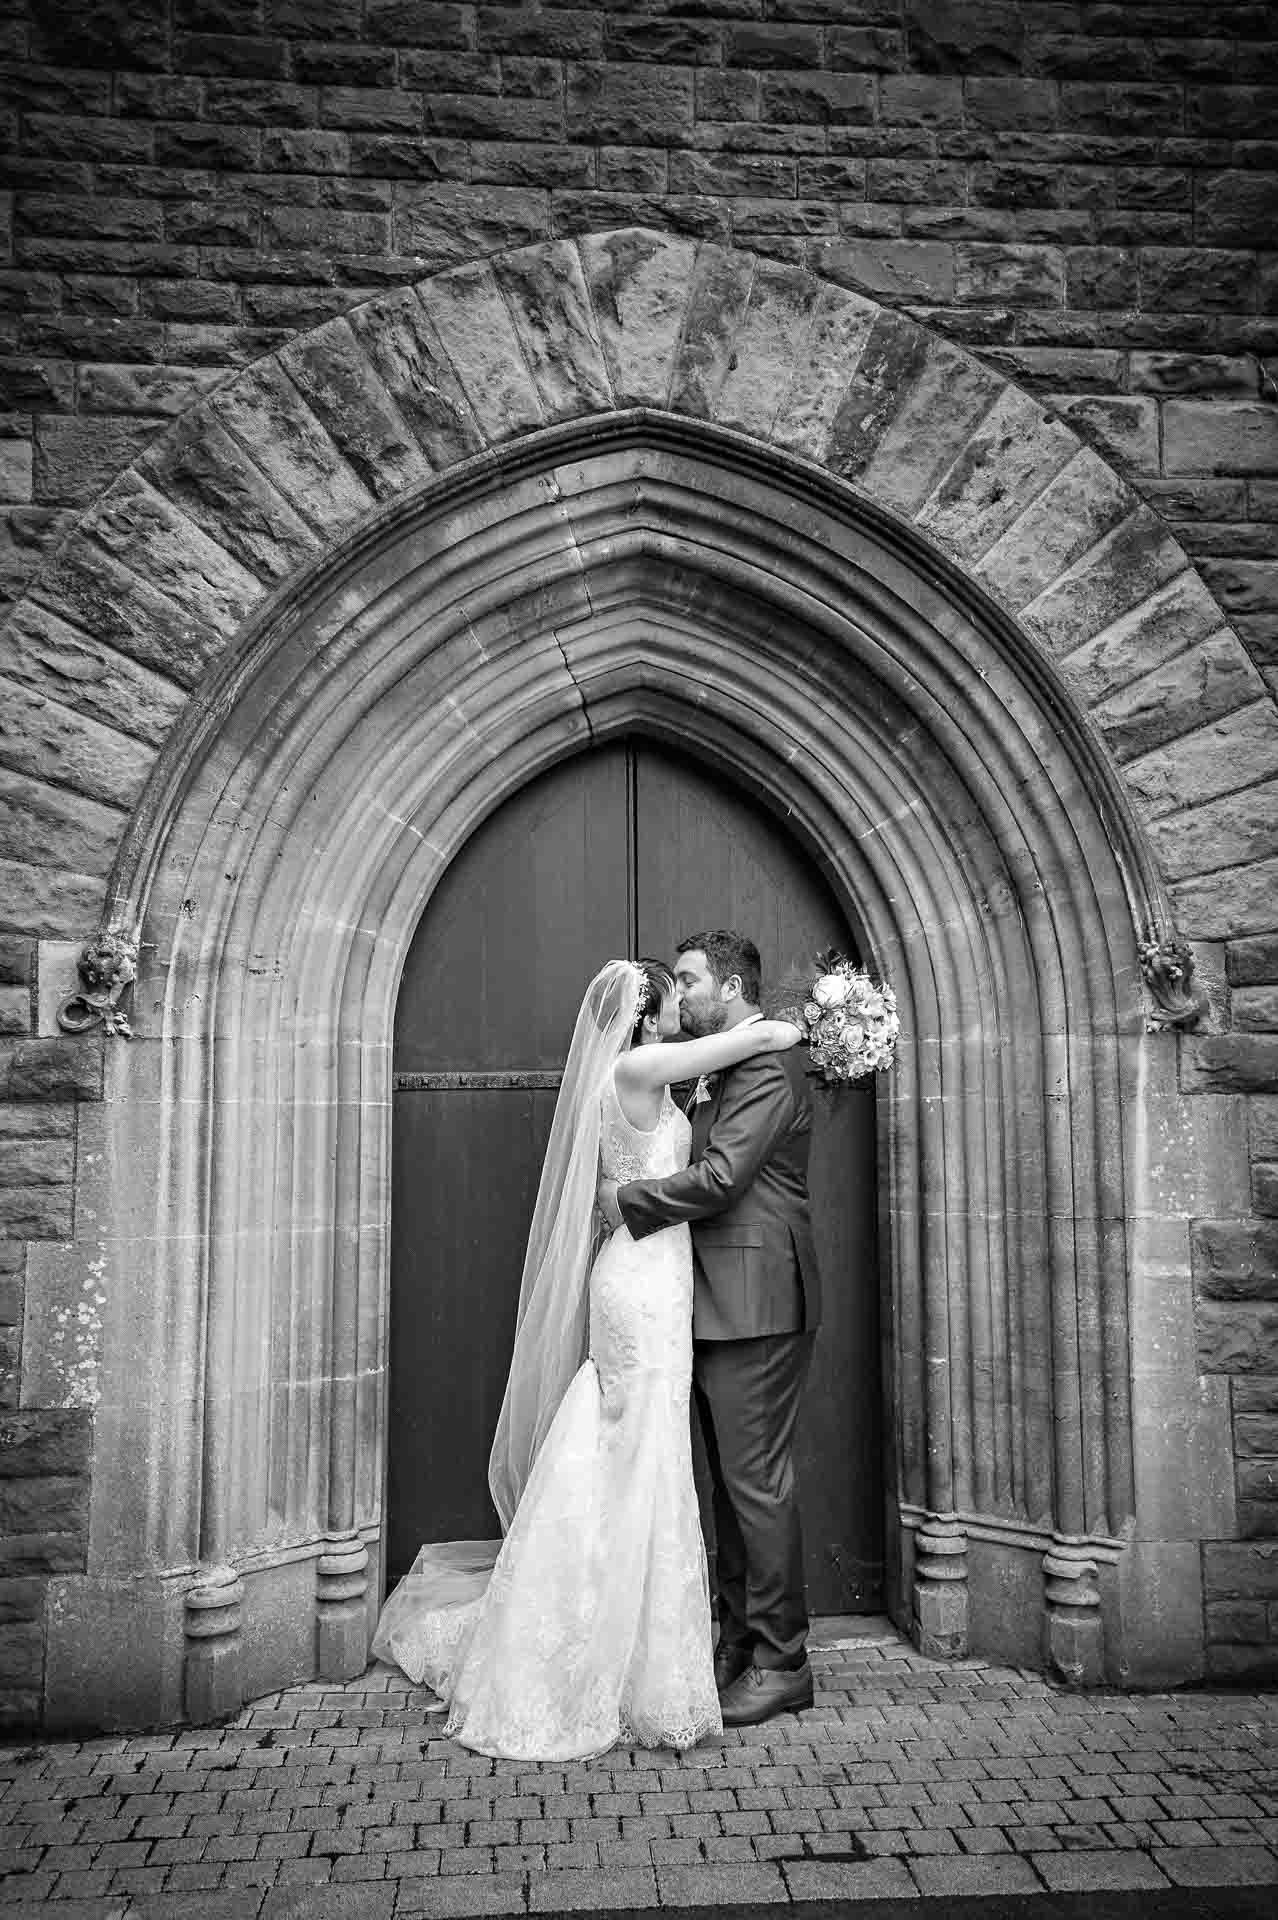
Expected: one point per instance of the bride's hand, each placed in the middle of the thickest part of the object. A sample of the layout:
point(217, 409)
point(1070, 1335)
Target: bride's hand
point(780, 1035)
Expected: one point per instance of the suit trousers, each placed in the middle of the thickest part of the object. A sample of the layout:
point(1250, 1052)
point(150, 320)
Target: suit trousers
point(747, 1394)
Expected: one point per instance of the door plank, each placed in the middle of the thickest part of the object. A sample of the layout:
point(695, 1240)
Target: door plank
point(619, 851)
point(709, 857)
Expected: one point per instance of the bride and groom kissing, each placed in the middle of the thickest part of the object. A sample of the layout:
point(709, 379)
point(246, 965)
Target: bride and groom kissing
point(670, 1255)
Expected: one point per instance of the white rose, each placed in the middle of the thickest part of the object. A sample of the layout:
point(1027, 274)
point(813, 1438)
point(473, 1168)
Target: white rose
point(831, 990)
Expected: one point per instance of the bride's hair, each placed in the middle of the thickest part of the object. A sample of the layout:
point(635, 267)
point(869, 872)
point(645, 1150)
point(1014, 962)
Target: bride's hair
point(659, 981)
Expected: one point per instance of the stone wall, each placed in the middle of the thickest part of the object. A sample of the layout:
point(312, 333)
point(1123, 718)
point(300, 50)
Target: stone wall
point(1086, 196)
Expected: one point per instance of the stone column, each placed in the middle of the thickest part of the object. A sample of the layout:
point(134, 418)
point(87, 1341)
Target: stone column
point(1073, 1627)
point(214, 1647)
point(940, 1588)
point(341, 1607)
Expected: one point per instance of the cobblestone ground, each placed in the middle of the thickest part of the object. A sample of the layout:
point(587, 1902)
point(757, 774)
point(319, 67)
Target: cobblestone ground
point(909, 1777)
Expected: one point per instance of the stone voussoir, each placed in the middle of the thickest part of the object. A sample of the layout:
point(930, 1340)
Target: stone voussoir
point(249, 484)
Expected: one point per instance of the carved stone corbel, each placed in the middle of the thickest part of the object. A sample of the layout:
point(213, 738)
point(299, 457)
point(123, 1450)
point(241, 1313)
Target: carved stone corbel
point(1167, 967)
point(107, 967)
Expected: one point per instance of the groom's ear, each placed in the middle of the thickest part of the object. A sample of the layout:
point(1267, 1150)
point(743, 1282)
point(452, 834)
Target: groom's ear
point(731, 988)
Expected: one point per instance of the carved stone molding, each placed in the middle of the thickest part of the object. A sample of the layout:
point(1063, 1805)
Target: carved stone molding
point(1167, 967)
point(214, 1646)
point(1075, 1630)
point(940, 1588)
point(341, 1605)
point(107, 967)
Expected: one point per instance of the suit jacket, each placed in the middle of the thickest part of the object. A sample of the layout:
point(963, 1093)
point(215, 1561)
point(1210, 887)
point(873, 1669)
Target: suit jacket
point(745, 1195)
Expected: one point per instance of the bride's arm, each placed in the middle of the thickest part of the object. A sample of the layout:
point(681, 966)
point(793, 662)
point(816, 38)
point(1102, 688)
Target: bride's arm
point(648, 1067)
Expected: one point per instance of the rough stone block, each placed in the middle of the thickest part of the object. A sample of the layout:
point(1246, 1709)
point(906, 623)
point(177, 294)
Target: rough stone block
point(43, 739)
point(1264, 1189)
point(1238, 1571)
point(1253, 961)
point(21, 1655)
point(343, 391)
point(57, 1442)
point(717, 300)
point(950, 396)
point(43, 1504)
point(1016, 276)
point(1230, 437)
point(39, 821)
point(402, 345)
point(26, 1162)
point(1255, 1009)
point(1209, 680)
point(86, 585)
point(1125, 429)
point(823, 366)
point(1240, 828)
point(1115, 577)
point(37, 1213)
point(261, 411)
point(1235, 1259)
point(641, 106)
point(1073, 514)
point(551, 309)
point(15, 1002)
point(1241, 585)
point(1172, 618)
point(204, 472)
point(141, 528)
point(1007, 460)
point(53, 1069)
point(891, 360)
point(16, 956)
point(474, 327)
point(639, 289)
point(1239, 751)
point(1237, 1338)
point(1221, 906)
point(894, 270)
point(1197, 280)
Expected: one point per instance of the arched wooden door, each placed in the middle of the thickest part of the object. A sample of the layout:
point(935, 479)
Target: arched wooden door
point(623, 850)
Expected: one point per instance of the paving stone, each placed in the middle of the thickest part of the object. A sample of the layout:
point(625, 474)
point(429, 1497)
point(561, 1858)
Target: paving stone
point(1232, 1866)
point(1089, 1872)
point(970, 1874)
point(884, 1879)
point(720, 1884)
point(619, 1887)
point(325, 1903)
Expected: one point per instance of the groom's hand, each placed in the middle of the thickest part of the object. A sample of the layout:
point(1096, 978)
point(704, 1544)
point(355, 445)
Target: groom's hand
point(607, 1198)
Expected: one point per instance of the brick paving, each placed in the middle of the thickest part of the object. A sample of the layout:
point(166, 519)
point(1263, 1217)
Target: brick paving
point(909, 1777)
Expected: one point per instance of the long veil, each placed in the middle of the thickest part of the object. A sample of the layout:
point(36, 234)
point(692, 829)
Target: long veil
point(552, 1320)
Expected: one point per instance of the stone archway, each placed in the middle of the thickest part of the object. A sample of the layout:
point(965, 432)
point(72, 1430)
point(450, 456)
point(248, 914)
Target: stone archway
point(852, 550)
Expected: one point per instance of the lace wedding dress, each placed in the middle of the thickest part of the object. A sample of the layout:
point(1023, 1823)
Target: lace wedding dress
point(594, 1626)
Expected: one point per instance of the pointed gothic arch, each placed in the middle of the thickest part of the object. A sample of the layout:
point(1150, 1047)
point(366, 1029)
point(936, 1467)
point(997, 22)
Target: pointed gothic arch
point(421, 555)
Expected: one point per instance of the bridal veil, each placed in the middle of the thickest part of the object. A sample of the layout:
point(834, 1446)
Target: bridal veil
point(552, 1321)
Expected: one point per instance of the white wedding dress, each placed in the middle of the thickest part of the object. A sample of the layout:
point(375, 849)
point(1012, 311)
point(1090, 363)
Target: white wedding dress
point(594, 1626)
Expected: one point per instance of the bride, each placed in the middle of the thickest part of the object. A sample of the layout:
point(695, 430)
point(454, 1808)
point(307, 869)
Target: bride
point(589, 1623)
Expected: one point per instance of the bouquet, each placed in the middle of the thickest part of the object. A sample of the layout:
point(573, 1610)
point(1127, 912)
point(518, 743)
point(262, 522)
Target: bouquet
point(849, 1023)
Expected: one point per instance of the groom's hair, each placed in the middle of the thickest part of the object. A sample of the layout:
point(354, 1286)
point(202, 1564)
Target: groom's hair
point(727, 953)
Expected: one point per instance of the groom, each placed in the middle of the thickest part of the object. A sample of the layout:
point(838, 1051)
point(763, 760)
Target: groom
point(756, 1305)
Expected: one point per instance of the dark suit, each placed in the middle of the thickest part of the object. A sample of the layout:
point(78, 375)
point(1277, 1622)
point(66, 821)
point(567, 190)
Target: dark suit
point(756, 1304)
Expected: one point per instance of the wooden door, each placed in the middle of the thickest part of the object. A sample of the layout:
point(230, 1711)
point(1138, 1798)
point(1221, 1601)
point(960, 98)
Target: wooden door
point(620, 851)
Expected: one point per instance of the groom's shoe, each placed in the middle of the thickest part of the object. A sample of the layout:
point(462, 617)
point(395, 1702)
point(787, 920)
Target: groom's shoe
point(762, 1692)
point(729, 1664)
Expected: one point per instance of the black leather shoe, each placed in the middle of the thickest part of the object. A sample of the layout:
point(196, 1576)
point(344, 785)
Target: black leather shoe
point(729, 1664)
point(762, 1692)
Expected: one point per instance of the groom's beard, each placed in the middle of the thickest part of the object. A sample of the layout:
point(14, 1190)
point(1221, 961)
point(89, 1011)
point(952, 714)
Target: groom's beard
point(700, 1026)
